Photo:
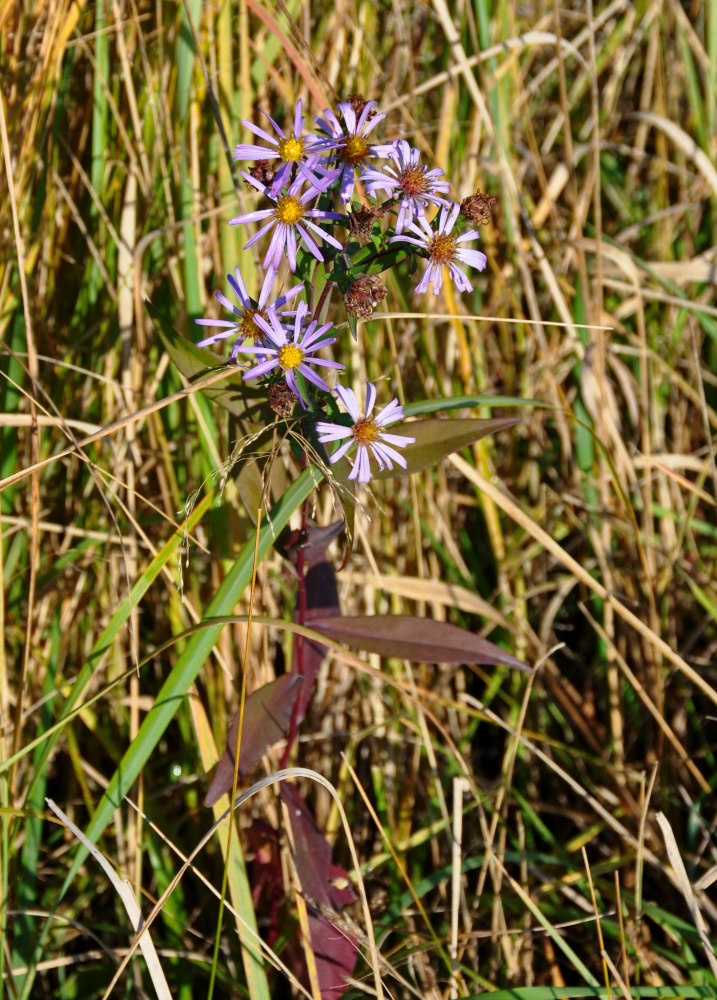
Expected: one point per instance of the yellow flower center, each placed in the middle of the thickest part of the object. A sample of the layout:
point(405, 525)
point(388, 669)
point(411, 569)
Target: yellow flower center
point(247, 326)
point(353, 149)
point(291, 150)
point(442, 249)
point(288, 210)
point(290, 356)
point(413, 181)
point(365, 430)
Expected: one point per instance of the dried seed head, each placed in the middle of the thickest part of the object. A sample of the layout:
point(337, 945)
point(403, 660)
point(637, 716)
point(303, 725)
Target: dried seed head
point(364, 294)
point(477, 208)
point(361, 223)
point(281, 399)
point(358, 102)
point(264, 172)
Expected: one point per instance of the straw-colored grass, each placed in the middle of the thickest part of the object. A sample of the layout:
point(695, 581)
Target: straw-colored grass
point(513, 831)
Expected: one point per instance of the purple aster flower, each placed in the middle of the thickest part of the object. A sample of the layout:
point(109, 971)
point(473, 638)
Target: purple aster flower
point(291, 354)
point(349, 143)
point(443, 250)
point(292, 148)
point(290, 215)
point(367, 434)
point(416, 186)
point(244, 325)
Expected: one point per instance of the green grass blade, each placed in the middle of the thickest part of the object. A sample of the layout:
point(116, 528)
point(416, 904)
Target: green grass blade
point(601, 992)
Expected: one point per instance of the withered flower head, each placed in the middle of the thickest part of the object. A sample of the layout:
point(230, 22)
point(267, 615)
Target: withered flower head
point(281, 399)
point(477, 208)
point(361, 223)
point(364, 294)
point(264, 172)
point(358, 102)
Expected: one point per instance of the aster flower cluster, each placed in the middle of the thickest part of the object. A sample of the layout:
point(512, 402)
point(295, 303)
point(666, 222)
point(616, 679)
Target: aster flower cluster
point(324, 222)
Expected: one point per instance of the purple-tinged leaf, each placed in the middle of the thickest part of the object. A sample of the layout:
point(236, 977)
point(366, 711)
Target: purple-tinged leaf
point(266, 716)
point(313, 543)
point(335, 949)
point(312, 656)
point(422, 640)
point(267, 879)
point(320, 877)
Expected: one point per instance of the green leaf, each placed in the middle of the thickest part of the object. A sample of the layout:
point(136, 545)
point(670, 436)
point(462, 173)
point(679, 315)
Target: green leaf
point(194, 362)
point(371, 262)
point(436, 438)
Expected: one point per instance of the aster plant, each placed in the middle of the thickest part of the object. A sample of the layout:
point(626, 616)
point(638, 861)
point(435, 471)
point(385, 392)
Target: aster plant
point(323, 220)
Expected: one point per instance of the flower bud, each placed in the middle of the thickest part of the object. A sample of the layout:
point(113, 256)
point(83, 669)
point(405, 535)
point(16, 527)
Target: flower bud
point(264, 172)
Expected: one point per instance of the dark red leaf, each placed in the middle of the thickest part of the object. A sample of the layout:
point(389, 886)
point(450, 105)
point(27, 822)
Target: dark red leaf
point(267, 880)
point(317, 873)
point(336, 952)
point(335, 949)
point(419, 639)
point(313, 542)
point(266, 715)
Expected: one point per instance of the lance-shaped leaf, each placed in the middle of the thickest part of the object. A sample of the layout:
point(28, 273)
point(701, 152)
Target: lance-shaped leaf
point(194, 362)
point(419, 639)
point(267, 712)
point(335, 949)
point(436, 438)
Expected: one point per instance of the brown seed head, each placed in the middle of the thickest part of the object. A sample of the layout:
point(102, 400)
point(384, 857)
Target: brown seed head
point(361, 223)
point(281, 399)
point(263, 171)
point(477, 208)
point(358, 102)
point(364, 294)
